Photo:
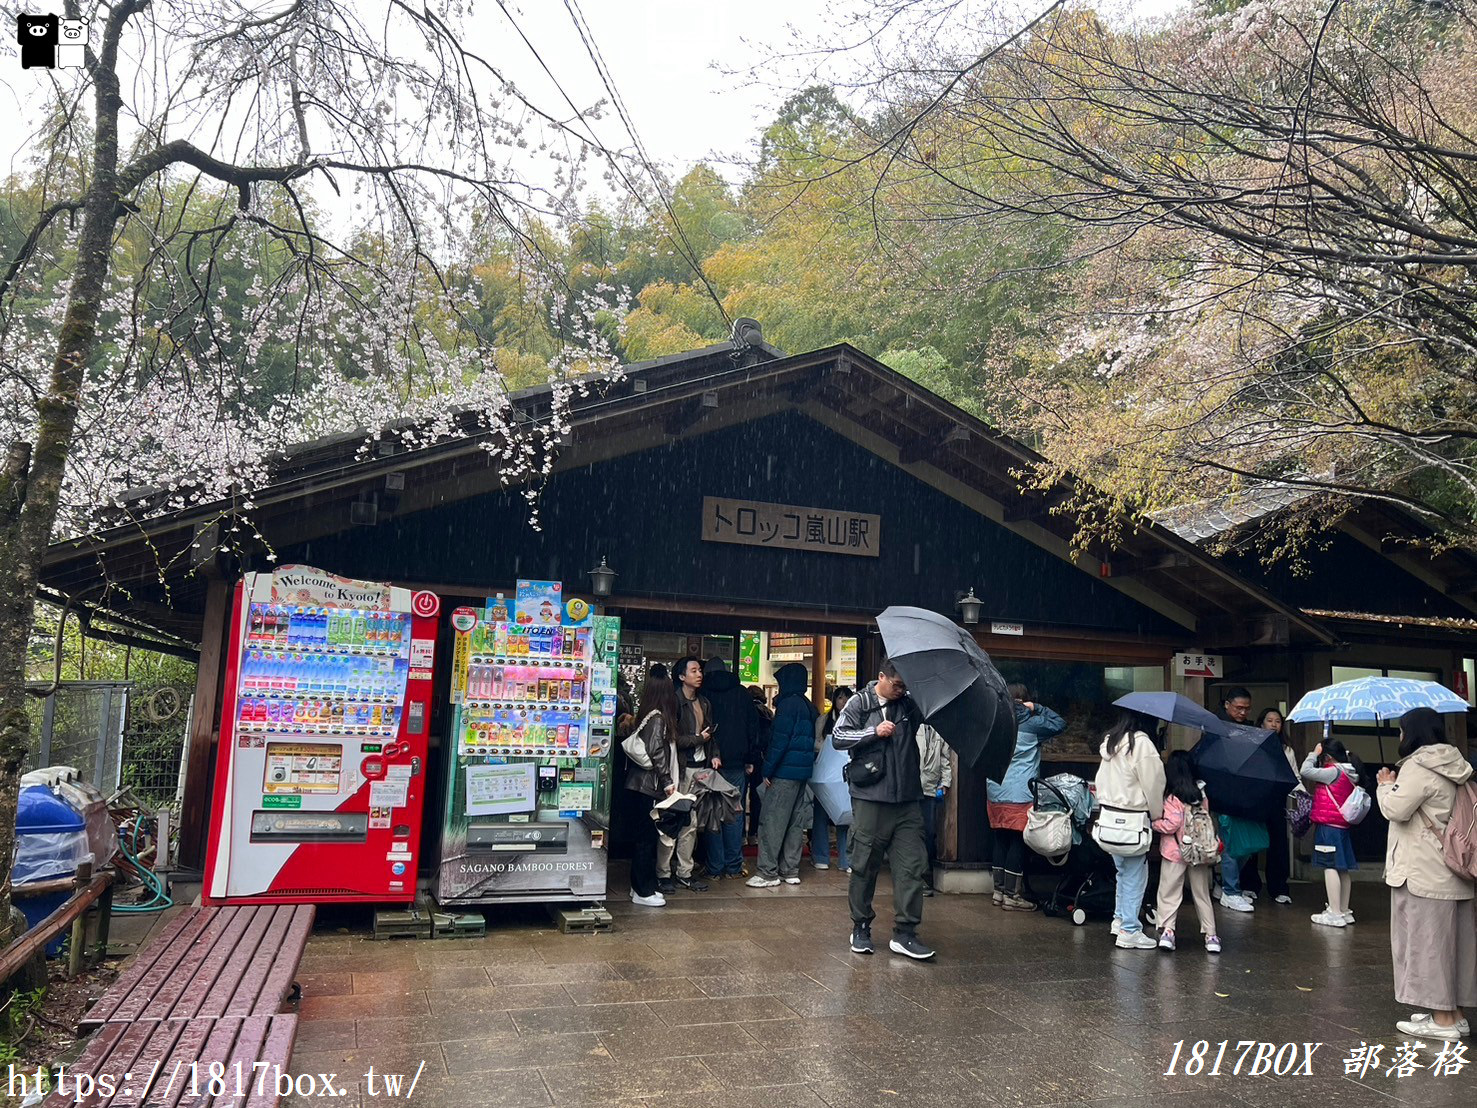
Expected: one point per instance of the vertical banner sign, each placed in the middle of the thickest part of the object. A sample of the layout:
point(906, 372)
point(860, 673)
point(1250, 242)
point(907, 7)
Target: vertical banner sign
point(462, 622)
point(749, 657)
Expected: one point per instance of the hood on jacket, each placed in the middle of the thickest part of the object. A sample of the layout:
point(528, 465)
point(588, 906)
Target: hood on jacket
point(1022, 713)
point(792, 678)
point(1442, 759)
point(719, 681)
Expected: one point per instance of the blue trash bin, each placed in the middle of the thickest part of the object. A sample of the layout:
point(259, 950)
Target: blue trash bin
point(50, 840)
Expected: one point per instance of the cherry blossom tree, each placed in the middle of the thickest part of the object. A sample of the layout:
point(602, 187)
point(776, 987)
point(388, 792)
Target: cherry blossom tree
point(252, 224)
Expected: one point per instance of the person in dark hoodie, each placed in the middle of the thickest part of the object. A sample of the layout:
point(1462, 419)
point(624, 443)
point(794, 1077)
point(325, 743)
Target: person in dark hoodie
point(787, 766)
point(879, 726)
point(735, 736)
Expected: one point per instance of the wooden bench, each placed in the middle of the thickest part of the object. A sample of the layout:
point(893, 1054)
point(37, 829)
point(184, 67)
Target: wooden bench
point(170, 1063)
point(209, 963)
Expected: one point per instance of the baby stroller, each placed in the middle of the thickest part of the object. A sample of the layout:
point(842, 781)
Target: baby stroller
point(1087, 888)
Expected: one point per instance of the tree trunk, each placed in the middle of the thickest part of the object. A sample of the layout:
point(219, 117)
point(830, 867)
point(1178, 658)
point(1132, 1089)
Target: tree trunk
point(29, 498)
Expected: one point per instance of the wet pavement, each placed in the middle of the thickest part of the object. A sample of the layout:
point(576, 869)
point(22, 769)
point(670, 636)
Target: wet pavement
point(740, 997)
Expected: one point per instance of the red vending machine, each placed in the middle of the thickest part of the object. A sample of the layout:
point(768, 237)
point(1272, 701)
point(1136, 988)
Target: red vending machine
point(320, 777)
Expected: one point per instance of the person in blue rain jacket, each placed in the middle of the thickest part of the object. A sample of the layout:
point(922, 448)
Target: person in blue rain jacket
point(1009, 801)
point(787, 766)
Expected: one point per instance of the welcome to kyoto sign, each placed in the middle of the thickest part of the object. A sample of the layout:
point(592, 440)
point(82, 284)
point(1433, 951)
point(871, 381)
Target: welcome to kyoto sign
point(790, 527)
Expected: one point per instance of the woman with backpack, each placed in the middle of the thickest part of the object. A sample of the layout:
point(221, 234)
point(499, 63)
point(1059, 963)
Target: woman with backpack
point(1130, 792)
point(1188, 848)
point(651, 783)
point(1332, 774)
point(1433, 924)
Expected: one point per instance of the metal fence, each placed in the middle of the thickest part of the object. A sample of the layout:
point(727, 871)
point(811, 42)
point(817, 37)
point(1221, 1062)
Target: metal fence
point(115, 734)
point(81, 724)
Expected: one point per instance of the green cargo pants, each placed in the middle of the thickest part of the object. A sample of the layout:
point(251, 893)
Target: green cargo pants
point(876, 829)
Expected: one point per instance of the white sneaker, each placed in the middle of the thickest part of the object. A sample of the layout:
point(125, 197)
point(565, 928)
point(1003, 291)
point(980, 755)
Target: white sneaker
point(1428, 1028)
point(655, 900)
point(1116, 927)
point(1327, 918)
point(1237, 904)
point(1348, 917)
point(823, 865)
point(1462, 1026)
point(792, 880)
point(759, 881)
point(1135, 940)
point(1283, 899)
point(1248, 896)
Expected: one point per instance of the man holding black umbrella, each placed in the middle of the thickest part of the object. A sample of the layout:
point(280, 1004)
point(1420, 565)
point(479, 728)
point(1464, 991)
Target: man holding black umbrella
point(879, 727)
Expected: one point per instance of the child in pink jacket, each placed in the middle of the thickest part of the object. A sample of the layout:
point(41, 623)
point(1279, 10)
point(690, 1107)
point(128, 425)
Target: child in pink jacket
point(1182, 793)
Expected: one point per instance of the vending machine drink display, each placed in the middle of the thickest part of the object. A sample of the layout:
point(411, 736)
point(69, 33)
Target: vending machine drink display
point(528, 775)
point(320, 777)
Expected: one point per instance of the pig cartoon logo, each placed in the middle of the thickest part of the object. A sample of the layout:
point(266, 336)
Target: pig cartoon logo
point(71, 49)
point(38, 36)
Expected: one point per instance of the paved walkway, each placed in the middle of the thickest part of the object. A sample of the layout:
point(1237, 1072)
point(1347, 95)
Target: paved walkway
point(740, 997)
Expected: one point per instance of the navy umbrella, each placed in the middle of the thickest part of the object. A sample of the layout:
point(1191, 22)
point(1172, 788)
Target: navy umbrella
point(1245, 772)
point(954, 684)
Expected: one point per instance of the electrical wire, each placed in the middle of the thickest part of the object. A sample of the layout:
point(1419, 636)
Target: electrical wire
point(681, 243)
point(587, 36)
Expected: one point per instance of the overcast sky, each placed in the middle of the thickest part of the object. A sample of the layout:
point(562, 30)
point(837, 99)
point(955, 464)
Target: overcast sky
point(669, 58)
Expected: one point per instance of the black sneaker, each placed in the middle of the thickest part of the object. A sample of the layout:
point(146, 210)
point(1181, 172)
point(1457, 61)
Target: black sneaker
point(861, 939)
point(927, 890)
point(666, 885)
point(909, 945)
point(693, 883)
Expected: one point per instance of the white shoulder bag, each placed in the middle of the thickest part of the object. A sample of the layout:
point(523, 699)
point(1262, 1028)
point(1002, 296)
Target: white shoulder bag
point(634, 744)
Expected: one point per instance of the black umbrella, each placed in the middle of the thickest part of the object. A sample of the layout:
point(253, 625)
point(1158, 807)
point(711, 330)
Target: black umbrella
point(1245, 772)
point(954, 684)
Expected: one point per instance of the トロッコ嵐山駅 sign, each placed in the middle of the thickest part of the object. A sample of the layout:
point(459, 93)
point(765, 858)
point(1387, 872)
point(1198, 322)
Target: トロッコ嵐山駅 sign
point(790, 527)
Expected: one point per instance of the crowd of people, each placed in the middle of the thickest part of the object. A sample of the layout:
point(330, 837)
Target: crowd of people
point(1154, 815)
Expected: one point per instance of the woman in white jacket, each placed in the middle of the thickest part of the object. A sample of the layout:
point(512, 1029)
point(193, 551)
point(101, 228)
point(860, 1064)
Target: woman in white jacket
point(1130, 779)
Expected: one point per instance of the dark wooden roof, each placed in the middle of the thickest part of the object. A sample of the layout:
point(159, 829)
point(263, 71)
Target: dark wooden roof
point(147, 568)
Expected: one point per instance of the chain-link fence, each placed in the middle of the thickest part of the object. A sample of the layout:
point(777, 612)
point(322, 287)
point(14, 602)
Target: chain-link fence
point(154, 745)
point(115, 734)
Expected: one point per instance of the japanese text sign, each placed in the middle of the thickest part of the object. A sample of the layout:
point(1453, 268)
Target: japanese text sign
point(789, 527)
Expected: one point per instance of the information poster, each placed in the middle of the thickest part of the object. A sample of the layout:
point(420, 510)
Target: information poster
point(501, 789)
point(749, 650)
point(539, 604)
point(300, 768)
point(576, 796)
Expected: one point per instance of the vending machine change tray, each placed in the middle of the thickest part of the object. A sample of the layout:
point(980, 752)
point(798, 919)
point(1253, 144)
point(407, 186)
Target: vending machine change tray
point(309, 827)
point(526, 838)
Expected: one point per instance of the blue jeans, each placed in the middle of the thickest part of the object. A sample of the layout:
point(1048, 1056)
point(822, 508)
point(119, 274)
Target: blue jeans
point(1133, 881)
point(725, 848)
point(820, 838)
point(1231, 875)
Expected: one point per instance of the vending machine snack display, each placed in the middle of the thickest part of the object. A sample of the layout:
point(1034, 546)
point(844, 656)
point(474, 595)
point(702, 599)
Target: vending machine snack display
point(324, 727)
point(528, 775)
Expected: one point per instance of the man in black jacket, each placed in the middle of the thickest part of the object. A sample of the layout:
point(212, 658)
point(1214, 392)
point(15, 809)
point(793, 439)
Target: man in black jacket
point(879, 726)
point(735, 739)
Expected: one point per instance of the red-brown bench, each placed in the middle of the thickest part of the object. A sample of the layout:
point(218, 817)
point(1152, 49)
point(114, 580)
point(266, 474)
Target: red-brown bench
point(241, 1061)
point(211, 962)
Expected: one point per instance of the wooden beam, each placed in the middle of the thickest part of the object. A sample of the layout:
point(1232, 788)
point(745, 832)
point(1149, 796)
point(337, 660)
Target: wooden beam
point(194, 809)
point(1131, 566)
point(925, 448)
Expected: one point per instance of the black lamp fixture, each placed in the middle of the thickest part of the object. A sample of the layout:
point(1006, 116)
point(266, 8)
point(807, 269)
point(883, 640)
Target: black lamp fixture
point(602, 578)
point(969, 606)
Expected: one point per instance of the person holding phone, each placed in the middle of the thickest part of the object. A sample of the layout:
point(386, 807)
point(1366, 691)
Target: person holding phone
point(694, 747)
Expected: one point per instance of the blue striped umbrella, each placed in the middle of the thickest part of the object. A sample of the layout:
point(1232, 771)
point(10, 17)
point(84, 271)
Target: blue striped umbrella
point(1374, 698)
